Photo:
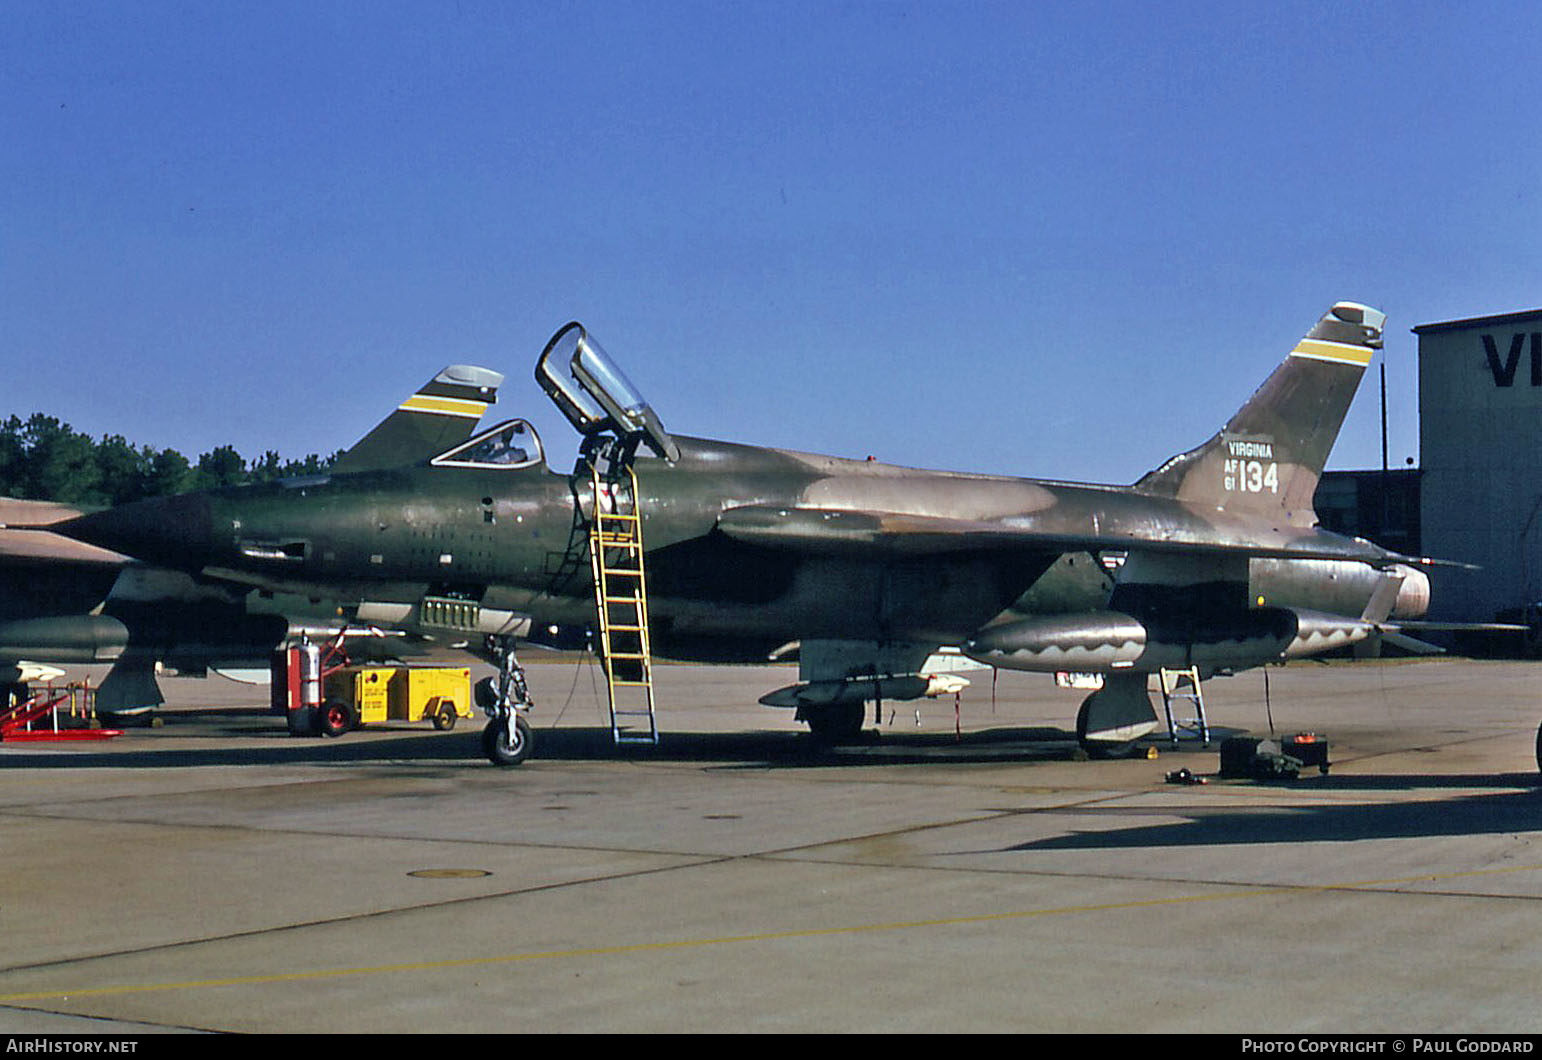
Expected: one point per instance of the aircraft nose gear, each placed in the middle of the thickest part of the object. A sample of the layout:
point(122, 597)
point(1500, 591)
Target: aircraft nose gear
point(507, 740)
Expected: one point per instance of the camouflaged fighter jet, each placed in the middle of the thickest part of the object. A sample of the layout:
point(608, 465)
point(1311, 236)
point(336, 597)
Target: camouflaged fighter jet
point(68, 603)
point(1214, 560)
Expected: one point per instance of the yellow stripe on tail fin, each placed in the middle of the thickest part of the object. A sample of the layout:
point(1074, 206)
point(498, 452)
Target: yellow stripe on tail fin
point(1269, 456)
point(443, 413)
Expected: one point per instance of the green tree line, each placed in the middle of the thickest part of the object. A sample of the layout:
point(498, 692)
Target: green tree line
point(44, 459)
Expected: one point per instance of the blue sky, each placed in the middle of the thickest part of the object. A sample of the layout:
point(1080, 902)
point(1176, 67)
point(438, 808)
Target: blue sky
point(1048, 239)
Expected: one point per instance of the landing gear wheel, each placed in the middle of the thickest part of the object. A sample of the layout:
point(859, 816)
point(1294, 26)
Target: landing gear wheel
point(336, 718)
point(503, 750)
point(1100, 748)
point(840, 723)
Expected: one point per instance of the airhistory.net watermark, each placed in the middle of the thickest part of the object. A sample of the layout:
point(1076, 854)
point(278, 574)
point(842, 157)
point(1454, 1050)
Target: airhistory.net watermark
point(43, 1046)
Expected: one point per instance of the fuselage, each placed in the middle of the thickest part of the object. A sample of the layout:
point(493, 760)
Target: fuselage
point(409, 546)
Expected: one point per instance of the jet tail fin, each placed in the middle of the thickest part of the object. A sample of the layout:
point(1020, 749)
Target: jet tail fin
point(443, 413)
point(1269, 456)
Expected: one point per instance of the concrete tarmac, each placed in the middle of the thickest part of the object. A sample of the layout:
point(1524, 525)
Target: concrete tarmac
point(960, 872)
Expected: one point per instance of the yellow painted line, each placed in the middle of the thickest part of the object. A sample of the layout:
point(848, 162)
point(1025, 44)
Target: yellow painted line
point(444, 406)
point(1319, 350)
point(727, 940)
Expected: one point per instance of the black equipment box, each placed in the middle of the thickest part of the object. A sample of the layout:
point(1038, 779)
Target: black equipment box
point(1308, 748)
point(1250, 757)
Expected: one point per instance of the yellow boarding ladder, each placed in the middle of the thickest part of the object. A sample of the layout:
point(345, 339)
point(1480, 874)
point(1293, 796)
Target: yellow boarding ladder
point(621, 599)
point(1171, 680)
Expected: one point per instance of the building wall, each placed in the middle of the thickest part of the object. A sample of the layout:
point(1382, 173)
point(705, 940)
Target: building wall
point(1381, 506)
point(1480, 446)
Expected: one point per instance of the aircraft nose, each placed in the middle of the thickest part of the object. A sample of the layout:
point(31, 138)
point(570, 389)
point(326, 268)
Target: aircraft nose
point(171, 531)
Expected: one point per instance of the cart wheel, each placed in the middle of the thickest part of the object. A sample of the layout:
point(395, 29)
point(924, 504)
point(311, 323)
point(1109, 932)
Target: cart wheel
point(337, 718)
point(444, 717)
point(500, 749)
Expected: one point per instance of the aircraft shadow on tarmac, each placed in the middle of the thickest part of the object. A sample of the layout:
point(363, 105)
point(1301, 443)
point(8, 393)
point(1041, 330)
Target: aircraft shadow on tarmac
point(290, 751)
point(1488, 814)
point(253, 743)
point(255, 739)
point(765, 749)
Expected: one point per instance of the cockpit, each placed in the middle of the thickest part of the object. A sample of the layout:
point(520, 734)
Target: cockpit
point(510, 445)
point(595, 394)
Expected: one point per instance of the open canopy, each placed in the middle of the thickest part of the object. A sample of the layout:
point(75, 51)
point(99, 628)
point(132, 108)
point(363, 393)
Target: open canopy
point(595, 394)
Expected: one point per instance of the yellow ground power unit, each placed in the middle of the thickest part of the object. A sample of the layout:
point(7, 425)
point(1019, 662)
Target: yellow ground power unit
point(361, 695)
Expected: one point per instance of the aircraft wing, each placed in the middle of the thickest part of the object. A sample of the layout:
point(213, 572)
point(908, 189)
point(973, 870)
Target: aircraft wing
point(15, 512)
point(39, 546)
point(833, 531)
point(24, 537)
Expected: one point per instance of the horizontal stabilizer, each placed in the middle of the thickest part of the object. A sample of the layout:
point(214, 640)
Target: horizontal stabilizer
point(1411, 645)
point(1465, 627)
